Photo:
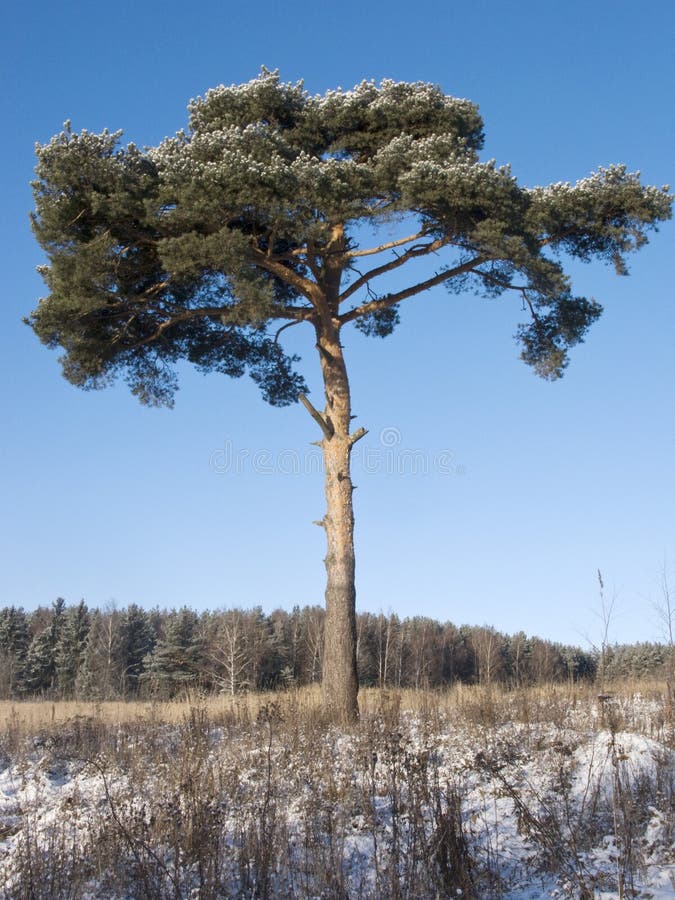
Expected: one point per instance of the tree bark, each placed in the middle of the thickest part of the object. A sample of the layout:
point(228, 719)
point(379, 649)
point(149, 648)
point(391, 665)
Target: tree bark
point(339, 681)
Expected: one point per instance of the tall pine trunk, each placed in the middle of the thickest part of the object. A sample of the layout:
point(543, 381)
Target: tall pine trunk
point(339, 682)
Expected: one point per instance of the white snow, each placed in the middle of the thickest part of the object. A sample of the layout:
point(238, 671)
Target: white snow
point(545, 808)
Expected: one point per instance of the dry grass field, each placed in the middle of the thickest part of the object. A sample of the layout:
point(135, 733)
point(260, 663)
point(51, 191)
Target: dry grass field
point(472, 702)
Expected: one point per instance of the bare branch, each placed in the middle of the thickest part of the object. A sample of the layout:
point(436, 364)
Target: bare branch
point(398, 243)
point(323, 424)
point(299, 251)
point(156, 288)
point(284, 327)
point(410, 253)
point(357, 435)
point(392, 299)
point(304, 286)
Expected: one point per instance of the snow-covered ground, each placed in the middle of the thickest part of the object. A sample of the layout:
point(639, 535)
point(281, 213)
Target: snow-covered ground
point(403, 805)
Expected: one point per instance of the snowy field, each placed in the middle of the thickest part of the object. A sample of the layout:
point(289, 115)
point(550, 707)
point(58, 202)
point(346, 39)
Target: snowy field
point(506, 796)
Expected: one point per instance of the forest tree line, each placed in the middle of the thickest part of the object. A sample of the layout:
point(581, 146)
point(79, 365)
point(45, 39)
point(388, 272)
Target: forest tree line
point(73, 652)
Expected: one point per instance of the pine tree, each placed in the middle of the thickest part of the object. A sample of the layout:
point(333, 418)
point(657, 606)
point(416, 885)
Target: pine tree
point(208, 246)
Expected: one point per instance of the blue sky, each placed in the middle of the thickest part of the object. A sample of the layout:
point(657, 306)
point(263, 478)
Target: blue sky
point(530, 487)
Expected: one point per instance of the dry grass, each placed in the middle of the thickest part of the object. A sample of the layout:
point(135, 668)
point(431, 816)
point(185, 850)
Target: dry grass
point(489, 704)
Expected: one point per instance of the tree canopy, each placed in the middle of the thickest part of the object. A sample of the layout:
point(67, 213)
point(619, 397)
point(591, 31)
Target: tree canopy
point(202, 247)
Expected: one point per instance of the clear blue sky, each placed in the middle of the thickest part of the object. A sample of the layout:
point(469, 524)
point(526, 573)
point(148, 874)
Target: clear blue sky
point(105, 499)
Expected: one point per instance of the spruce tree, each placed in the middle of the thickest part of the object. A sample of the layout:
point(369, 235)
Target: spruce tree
point(40, 670)
point(178, 658)
point(261, 217)
point(137, 640)
point(14, 642)
point(70, 650)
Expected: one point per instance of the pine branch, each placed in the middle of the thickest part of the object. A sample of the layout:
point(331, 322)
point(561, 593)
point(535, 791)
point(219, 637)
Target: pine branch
point(287, 325)
point(397, 262)
point(390, 300)
point(202, 312)
point(304, 286)
point(398, 243)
